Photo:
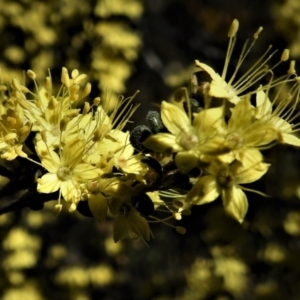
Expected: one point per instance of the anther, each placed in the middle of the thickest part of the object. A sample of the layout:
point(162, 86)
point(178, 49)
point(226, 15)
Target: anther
point(285, 55)
point(86, 108)
point(63, 123)
point(233, 28)
point(31, 74)
point(97, 101)
point(74, 73)
point(57, 209)
point(86, 91)
point(257, 33)
point(180, 229)
point(291, 69)
point(65, 77)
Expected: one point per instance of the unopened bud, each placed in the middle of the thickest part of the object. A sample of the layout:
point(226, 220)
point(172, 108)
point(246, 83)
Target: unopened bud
point(23, 133)
point(257, 33)
point(86, 91)
point(74, 73)
point(285, 55)
point(80, 78)
point(72, 207)
point(31, 74)
point(233, 28)
point(86, 108)
point(180, 230)
point(65, 77)
point(97, 101)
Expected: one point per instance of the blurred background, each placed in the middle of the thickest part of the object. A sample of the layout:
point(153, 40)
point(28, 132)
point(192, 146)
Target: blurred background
point(150, 45)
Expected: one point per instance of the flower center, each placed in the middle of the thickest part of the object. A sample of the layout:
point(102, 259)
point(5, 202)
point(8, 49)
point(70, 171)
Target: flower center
point(234, 140)
point(64, 174)
point(55, 130)
point(188, 140)
point(225, 178)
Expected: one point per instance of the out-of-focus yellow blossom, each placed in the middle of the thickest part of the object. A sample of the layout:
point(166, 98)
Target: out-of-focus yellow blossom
point(225, 180)
point(14, 129)
point(131, 8)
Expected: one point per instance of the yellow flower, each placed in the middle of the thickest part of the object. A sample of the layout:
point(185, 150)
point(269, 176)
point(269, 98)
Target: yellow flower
point(130, 222)
point(190, 139)
point(65, 171)
point(13, 133)
point(244, 131)
point(46, 111)
point(225, 180)
point(234, 89)
point(282, 125)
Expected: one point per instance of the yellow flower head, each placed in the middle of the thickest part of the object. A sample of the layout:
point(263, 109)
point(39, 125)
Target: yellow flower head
point(223, 179)
point(190, 139)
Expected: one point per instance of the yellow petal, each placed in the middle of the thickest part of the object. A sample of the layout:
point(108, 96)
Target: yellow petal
point(49, 183)
point(290, 139)
point(85, 172)
point(263, 105)
point(50, 162)
point(209, 120)
point(70, 190)
point(218, 89)
point(138, 225)
point(249, 157)
point(174, 118)
point(120, 228)
point(241, 116)
point(162, 142)
point(186, 161)
point(98, 206)
point(235, 203)
point(251, 174)
point(203, 191)
point(208, 69)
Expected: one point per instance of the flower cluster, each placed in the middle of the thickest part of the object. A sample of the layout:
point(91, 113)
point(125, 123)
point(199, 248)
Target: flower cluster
point(82, 152)
point(219, 127)
point(205, 143)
